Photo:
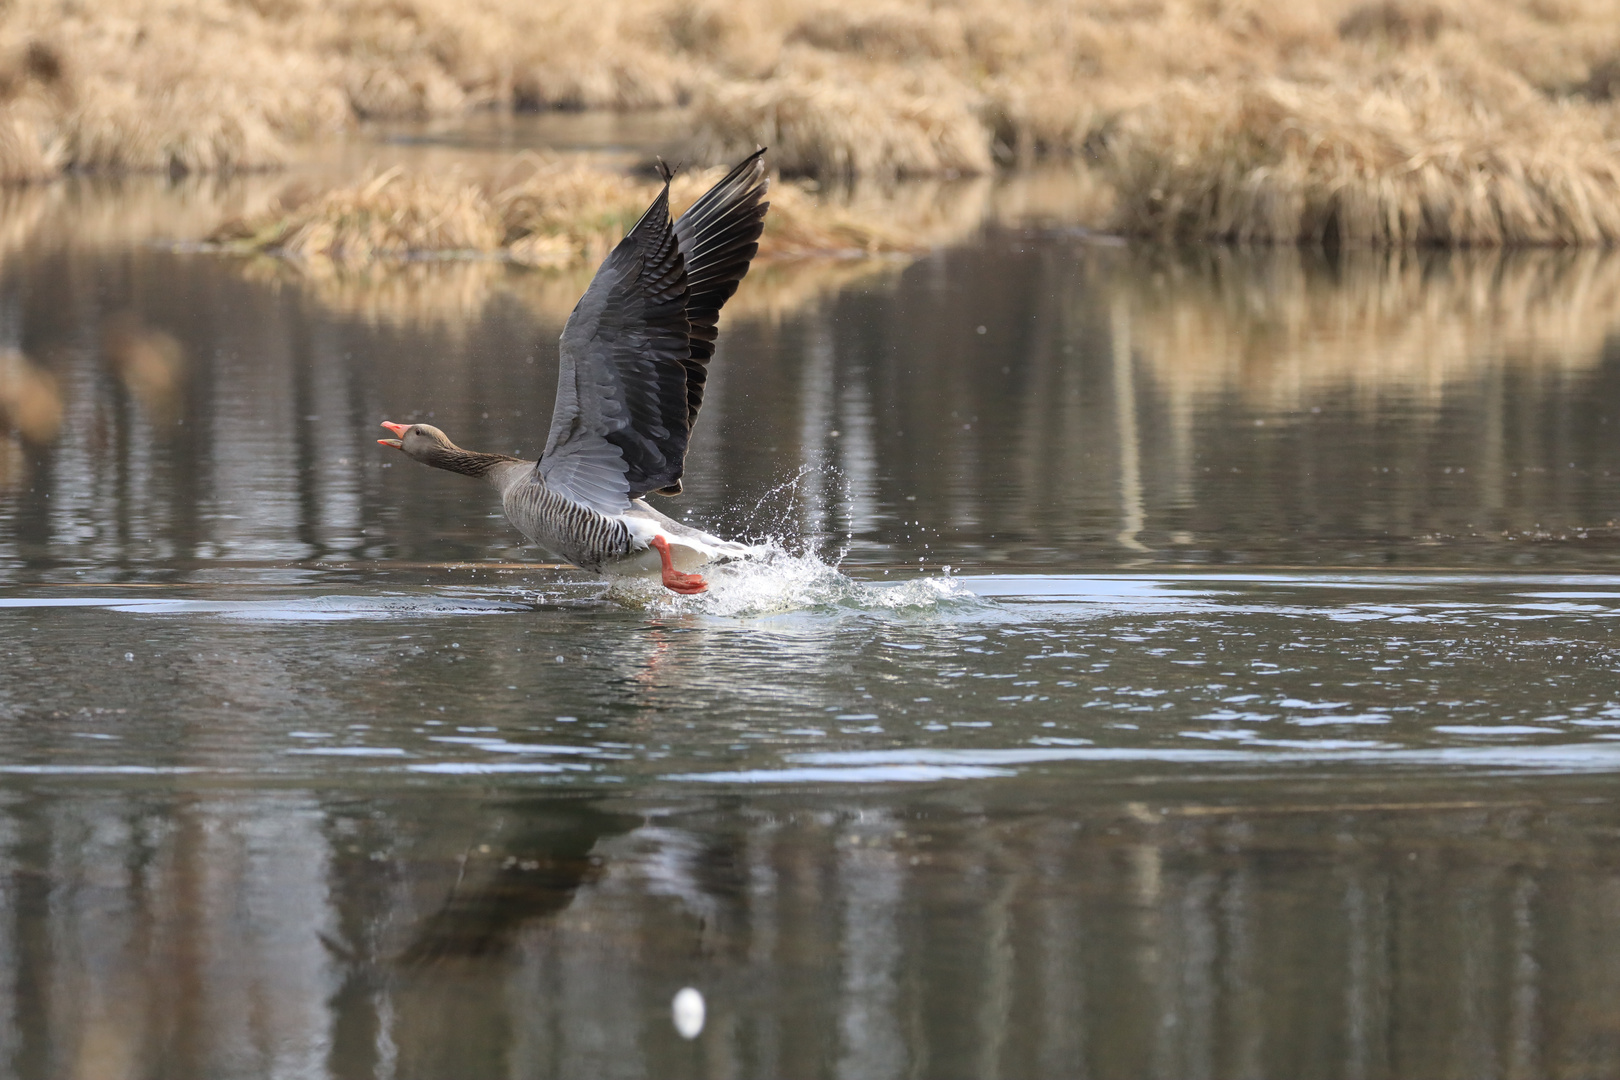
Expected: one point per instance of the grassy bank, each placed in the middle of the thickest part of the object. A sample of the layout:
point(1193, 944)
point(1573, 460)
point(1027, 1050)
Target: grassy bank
point(563, 214)
point(1381, 122)
point(398, 249)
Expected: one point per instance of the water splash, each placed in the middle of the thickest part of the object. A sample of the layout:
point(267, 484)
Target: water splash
point(778, 582)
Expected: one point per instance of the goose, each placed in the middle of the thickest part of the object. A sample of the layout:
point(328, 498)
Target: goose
point(633, 360)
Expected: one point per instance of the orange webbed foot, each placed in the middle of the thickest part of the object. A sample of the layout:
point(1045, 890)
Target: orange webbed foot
point(685, 584)
point(675, 580)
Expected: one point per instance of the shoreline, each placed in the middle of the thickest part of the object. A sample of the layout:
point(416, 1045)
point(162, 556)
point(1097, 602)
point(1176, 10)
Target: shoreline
point(1355, 122)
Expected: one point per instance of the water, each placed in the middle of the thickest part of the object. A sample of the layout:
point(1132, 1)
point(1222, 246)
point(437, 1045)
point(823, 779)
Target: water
point(1263, 724)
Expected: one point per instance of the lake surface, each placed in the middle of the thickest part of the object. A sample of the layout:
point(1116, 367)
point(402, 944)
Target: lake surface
point(1178, 664)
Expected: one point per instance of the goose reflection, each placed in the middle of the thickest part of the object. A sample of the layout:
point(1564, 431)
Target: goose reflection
point(519, 876)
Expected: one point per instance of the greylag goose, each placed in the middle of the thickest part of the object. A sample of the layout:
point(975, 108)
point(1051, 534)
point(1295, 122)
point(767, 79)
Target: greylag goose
point(633, 360)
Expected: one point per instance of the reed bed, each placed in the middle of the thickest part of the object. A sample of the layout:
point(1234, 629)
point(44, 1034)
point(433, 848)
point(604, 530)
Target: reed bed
point(562, 214)
point(402, 250)
point(389, 214)
point(1382, 122)
point(1401, 159)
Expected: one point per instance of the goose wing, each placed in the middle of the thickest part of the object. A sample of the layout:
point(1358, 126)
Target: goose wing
point(619, 427)
point(635, 349)
point(719, 237)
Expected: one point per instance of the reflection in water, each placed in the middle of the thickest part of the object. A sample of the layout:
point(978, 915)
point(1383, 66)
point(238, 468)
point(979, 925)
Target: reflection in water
point(1285, 327)
point(1130, 457)
point(148, 361)
point(249, 935)
point(1119, 405)
point(30, 403)
point(1229, 825)
point(531, 871)
point(30, 413)
point(296, 798)
point(870, 883)
point(105, 213)
point(452, 297)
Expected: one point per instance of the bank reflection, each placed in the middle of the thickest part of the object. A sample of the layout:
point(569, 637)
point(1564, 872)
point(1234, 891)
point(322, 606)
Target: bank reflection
point(1026, 399)
point(303, 934)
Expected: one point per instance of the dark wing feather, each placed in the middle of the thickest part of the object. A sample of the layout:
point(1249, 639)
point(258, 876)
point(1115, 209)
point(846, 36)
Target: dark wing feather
point(619, 427)
point(635, 349)
point(719, 236)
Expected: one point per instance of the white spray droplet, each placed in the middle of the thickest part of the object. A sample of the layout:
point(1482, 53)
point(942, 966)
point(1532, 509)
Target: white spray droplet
point(687, 1010)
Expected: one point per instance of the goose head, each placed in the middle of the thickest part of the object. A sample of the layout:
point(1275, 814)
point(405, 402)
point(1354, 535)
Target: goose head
point(424, 442)
point(430, 446)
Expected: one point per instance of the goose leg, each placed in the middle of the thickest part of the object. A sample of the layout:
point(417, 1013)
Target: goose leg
point(675, 580)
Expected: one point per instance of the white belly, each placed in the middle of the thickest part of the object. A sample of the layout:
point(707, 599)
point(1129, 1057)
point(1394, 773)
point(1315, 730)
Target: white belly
point(689, 548)
point(646, 563)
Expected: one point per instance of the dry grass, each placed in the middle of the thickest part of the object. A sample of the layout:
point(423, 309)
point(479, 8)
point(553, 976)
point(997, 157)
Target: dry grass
point(1406, 157)
point(833, 116)
point(394, 248)
point(389, 214)
point(1355, 121)
point(32, 89)
point(565, 214)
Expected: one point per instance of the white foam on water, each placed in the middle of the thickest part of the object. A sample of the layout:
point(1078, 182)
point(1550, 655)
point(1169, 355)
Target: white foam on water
point(779, 582)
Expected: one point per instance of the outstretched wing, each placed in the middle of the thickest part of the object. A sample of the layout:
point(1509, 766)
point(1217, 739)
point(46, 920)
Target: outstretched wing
point(635, 349)
point(619, 427)
point(719, 236)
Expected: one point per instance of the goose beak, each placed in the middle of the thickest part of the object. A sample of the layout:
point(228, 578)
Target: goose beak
point(397, 429)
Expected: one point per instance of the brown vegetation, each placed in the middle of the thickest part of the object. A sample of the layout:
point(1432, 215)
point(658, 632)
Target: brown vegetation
point(1355, 121)
point(399, 248)
point(566, 214)
point(1405, 157)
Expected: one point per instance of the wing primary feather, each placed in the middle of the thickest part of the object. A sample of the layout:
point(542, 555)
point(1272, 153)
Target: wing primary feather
point(633, 353)
point(719, 236)
point(621, 392)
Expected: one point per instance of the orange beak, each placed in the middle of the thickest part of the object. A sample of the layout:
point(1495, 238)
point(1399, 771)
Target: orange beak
point(397, 429)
